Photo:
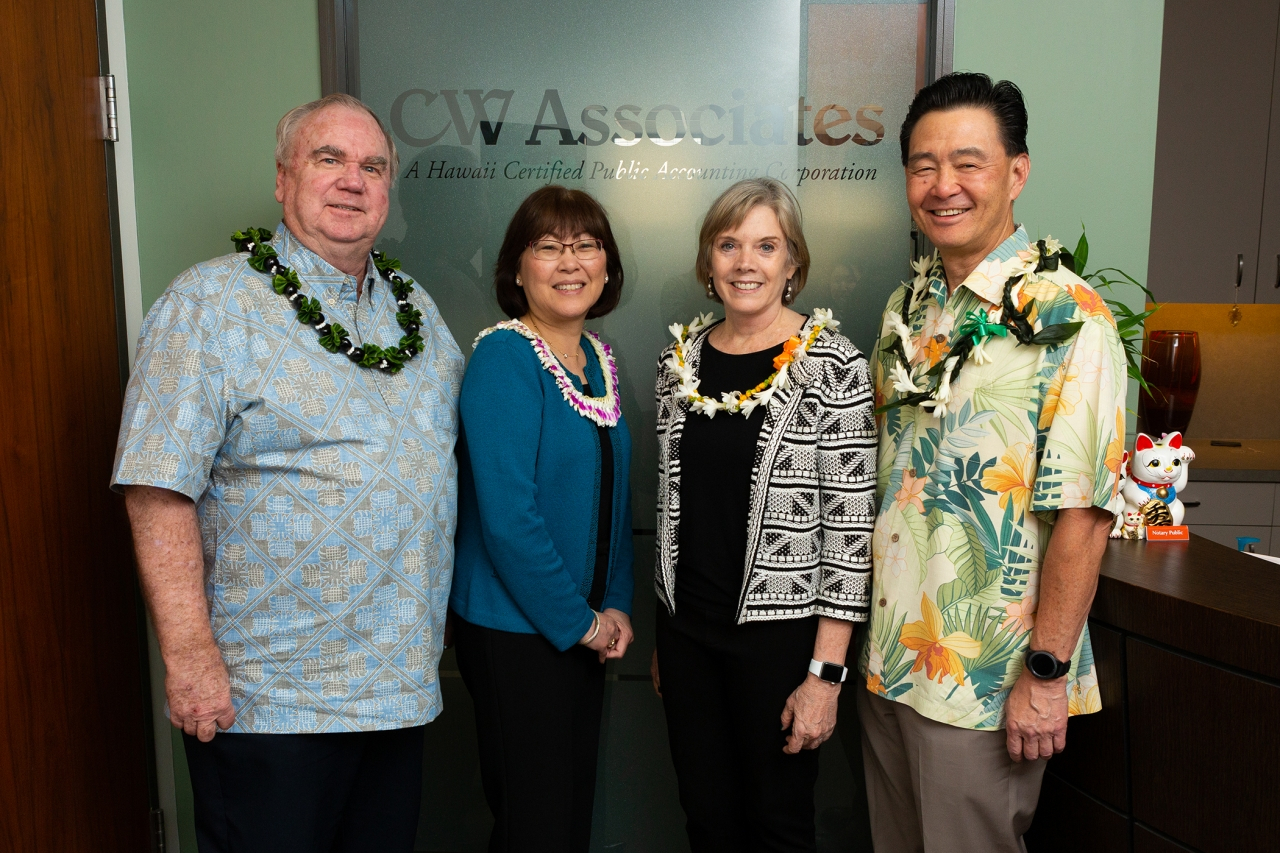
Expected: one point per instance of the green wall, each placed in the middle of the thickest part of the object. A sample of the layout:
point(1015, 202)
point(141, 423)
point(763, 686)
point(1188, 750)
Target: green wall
point(207, 84)
point(1090, 72)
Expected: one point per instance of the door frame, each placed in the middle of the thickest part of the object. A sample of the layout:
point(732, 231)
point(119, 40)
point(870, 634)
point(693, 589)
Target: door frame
point(113, 59)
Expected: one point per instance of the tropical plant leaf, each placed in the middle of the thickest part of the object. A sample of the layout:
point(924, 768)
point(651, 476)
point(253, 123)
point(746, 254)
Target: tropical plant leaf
point(994, 704)
point(1055, 334)
point(950, 593)
point(919, 532)
point(969, 557)
point(1127, 279)
point(987, 679)
point(899, 690)
point(1081, 255)
point(890, 630)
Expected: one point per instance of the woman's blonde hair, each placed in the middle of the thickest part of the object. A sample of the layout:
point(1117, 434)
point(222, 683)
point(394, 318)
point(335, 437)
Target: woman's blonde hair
point(731, 208)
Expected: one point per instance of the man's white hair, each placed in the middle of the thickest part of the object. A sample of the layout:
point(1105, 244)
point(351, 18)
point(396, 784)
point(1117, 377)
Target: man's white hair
point(287, 129)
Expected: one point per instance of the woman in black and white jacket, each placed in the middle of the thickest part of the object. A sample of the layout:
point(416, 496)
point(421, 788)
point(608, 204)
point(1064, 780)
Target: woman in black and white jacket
point(766, 502)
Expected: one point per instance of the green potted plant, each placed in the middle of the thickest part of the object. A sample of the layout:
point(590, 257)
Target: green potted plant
point(1129, 323)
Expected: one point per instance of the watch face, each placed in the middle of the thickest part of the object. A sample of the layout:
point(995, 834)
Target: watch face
point(1042, 664)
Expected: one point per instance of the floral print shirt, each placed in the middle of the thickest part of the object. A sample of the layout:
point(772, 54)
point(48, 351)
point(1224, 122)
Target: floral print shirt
point(968, 493)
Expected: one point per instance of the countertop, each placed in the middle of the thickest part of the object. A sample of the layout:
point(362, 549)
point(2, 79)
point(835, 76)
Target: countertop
point(1197, 596)
point(1255, 461)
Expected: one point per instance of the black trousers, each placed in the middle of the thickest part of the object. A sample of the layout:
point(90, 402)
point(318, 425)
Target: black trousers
point(724, 687)
point(348, 792)
point(538, 714)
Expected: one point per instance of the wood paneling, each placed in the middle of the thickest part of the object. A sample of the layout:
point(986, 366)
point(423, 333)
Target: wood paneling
point(1197, 596)
point(1146, 841)
point(1206, 759)
point(1070, 822)
point(1094, 760)
point(72, 754)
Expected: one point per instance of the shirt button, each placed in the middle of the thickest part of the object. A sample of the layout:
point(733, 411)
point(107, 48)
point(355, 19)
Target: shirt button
point(883, 602)
point(333, 302)
point(893, 538)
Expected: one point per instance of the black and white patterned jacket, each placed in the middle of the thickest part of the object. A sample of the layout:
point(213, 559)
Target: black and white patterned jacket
point(812, 487)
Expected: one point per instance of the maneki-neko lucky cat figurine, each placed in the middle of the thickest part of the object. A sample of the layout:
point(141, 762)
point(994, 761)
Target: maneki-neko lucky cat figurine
point(1153, 475)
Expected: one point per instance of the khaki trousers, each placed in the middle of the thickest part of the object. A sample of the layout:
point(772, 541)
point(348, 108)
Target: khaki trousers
point(935, 788)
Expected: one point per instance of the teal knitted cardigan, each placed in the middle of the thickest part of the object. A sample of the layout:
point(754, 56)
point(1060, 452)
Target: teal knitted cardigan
point(528, 497)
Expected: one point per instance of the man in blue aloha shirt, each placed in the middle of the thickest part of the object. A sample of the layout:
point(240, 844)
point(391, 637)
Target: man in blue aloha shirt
point(286, 454)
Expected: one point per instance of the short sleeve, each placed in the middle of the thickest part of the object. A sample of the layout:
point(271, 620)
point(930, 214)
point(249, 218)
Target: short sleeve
point(1081, 424)
point(173, 421)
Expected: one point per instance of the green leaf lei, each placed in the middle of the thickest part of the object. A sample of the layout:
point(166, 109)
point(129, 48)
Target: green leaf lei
point(334, 338)
point(975, 330)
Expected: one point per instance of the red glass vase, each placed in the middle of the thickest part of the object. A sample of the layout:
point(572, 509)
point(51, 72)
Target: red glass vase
point(1171, 366)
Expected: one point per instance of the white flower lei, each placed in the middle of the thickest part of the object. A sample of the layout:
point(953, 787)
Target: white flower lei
point(908, 380)
point(605, 410)
point(737, 402)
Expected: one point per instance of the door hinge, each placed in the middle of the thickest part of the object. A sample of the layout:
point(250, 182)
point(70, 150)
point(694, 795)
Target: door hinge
point(157, 830)
point(110, 121)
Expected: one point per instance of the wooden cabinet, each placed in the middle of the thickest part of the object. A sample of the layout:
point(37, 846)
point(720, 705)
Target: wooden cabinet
point(1267, 287)
point(1217, 173)
point(1205, 757)
point(1184, 754)
point(1227, 510)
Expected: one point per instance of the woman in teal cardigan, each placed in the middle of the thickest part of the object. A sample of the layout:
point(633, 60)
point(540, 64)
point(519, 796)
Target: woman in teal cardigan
point(543, 571)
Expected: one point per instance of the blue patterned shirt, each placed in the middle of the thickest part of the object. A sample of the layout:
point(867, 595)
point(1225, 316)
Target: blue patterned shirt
point(326, 492)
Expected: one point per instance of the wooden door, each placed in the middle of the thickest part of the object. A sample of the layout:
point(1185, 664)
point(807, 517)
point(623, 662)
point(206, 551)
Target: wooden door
point(1216, 67)
point(73, 765)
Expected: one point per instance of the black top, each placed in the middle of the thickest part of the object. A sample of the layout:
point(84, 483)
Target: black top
point(716, 459)
point(604, 512)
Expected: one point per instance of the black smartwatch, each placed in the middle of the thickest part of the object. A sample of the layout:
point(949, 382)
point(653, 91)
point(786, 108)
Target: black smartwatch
point(832, 673)
point(1045, 666)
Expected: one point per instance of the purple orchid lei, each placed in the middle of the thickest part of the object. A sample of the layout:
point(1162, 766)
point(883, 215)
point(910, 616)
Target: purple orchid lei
point(604, 411)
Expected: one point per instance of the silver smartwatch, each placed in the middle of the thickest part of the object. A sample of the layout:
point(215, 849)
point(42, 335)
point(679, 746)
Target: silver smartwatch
point(832, 673)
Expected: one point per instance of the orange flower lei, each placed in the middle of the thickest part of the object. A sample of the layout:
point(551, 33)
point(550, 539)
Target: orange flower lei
point(740, 402)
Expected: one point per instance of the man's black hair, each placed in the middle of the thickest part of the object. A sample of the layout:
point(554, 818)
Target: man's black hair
point(965, 89)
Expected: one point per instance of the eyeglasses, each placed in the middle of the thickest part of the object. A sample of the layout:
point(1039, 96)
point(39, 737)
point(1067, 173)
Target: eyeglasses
point(551, 250)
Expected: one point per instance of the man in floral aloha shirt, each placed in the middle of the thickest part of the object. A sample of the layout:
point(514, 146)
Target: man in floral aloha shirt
point(1001, 381)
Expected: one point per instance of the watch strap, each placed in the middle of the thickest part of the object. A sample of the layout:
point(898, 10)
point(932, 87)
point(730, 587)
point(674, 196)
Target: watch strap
point(832, 673)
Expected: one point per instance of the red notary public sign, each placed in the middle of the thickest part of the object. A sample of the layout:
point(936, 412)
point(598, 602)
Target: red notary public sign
point(1179, 533)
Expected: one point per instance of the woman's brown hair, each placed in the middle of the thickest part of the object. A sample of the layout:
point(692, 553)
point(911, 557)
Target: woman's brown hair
point(562, 213)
